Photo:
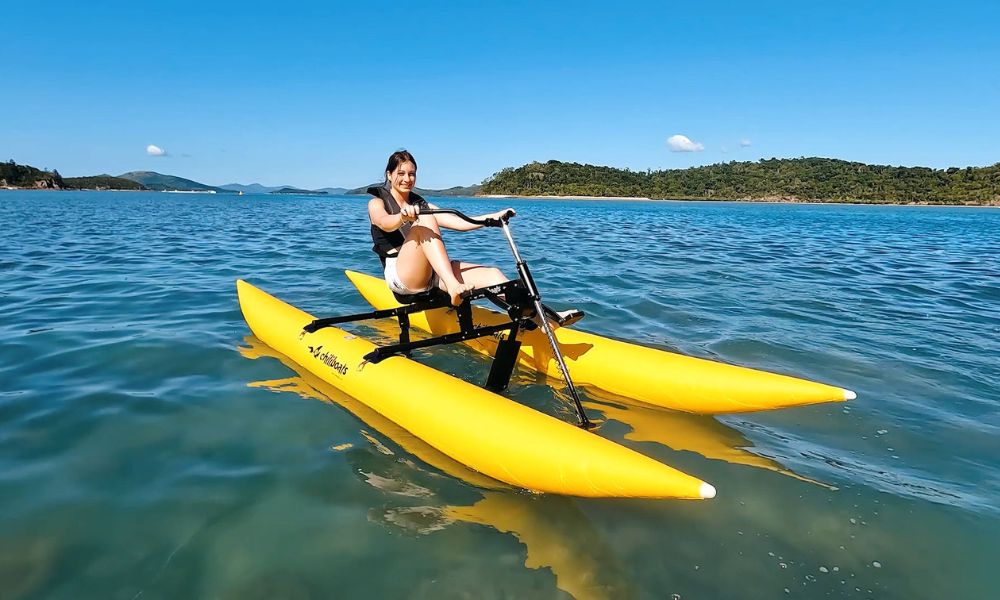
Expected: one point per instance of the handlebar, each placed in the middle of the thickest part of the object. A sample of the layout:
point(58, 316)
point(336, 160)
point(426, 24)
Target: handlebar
point(490, 222)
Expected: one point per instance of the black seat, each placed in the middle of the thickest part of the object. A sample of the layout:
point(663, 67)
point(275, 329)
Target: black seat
point(433, 294)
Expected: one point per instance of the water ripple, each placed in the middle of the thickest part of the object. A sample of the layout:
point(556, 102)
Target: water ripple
point(122, 392)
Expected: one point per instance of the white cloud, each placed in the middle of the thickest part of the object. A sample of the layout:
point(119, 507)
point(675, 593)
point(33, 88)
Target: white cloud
point(155, 150)
point(744, 143)
point(681, 143)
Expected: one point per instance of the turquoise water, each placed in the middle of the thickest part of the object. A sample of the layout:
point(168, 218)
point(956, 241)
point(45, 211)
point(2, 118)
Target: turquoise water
point(150, 448)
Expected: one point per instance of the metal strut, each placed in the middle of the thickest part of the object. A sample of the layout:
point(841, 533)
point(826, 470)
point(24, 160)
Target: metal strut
point(510, 296)
point(529, 282)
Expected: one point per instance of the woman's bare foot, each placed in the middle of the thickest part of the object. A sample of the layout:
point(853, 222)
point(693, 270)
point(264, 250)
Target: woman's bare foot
point(456, 290)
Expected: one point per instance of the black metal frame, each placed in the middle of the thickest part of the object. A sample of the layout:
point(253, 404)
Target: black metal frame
point(511, 296)
point(518, 298)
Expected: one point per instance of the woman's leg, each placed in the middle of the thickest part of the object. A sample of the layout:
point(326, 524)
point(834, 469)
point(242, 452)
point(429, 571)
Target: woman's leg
point(478, 275)
point(481, 277)
point(422, 254)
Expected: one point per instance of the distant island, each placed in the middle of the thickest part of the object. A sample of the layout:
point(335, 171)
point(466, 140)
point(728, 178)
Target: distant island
point(159, 182)
point(792, 180)
point(292, 190)
point(102, 182)
point(767, 180)
point(15, 176)
point(471, 190)
point(256, 188)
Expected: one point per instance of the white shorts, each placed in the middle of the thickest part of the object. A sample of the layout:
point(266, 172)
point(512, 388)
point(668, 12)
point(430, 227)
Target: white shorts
point(392, 279)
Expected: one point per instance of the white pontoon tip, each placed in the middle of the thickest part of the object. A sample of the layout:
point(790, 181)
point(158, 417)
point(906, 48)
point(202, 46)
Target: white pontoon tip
point(849, 395)
point(707, 490)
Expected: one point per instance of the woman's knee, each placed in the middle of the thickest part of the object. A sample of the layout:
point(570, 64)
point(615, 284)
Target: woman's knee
point(429, 222)
point(488, 275)
point(421, 234)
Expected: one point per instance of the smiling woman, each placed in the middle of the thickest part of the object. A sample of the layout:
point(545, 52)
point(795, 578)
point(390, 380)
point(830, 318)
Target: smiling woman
point(409, 244)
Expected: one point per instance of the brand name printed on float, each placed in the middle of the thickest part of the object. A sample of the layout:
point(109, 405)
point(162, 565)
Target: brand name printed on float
point(497, 335)
point(329, 359)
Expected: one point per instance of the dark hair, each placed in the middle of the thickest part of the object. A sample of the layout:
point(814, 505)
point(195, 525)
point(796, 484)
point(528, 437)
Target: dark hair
point(397, 158)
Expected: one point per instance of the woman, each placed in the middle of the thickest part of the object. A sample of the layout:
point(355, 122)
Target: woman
point(410, 244)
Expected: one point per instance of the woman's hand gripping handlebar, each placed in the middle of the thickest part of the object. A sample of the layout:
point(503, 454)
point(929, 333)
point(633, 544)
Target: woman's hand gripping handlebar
point(487, 222)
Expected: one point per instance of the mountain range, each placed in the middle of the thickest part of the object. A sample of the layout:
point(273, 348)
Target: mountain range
point(256, 188)
point(158, 181)
point(151, 180)
point(470, 190)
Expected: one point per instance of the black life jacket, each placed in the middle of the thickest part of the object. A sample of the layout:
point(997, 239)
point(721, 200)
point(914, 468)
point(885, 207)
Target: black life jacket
point(387, 243)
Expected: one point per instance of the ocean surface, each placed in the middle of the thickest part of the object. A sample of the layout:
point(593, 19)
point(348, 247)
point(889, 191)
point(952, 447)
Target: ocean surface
point(150, 447)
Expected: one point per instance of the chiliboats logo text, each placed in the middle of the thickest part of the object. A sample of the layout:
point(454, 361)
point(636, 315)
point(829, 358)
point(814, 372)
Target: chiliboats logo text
point(329, 359)
point(497, 335)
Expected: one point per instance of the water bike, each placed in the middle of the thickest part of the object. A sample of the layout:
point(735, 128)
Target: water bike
point(494, 435)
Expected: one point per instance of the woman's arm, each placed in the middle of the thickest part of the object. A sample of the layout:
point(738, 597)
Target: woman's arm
point(383, 220)
point(457, 224)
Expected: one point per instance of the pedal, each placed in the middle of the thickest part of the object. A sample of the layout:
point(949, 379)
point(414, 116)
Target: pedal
point(563, 318)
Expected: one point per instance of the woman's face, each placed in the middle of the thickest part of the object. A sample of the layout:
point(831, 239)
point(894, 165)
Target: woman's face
point(404, 177)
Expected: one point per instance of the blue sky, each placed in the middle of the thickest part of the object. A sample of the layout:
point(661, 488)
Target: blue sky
point(318, 94)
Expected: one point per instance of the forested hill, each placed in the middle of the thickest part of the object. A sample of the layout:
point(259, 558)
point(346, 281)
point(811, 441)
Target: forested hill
point(800, 179)
point(158, 181)
point(24, 176)
point(13, 175)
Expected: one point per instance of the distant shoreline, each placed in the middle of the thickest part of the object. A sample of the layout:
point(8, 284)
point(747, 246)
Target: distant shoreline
point(636, 198)
point(743, 200)
point(584, 198)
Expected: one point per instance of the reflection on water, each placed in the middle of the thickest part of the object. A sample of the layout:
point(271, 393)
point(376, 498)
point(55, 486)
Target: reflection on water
point(308, 385)
point(703, 434)
point(555, 533)
point(558, 536)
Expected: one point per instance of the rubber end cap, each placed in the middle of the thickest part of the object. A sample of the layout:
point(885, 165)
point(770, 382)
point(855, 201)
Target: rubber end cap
point(849, 395)
point(707, 490)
